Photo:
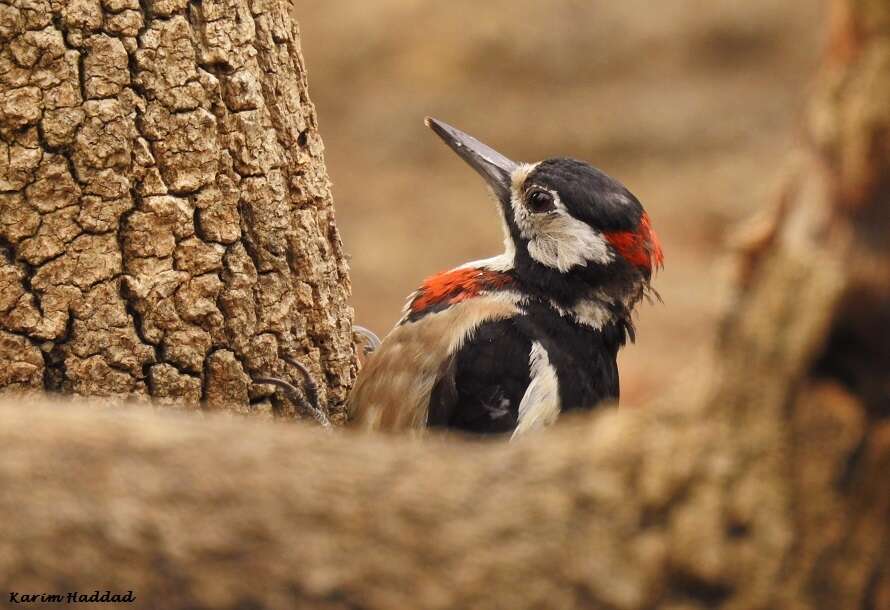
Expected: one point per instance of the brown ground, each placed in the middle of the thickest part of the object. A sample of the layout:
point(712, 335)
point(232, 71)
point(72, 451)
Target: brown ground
point(692, 106)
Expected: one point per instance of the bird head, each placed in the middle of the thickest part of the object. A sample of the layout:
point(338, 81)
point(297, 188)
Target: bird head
point(568, 226)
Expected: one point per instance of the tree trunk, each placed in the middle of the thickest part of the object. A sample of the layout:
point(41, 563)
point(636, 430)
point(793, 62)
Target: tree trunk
point(764, 489)
point(166, 222)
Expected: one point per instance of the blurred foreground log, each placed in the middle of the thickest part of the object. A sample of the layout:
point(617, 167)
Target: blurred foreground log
point(768, 489)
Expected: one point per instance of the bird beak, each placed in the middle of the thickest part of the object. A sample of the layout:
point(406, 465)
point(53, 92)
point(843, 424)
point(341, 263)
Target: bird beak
point(491, 165)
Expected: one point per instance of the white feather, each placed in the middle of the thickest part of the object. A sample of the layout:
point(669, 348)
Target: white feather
point(540, 405)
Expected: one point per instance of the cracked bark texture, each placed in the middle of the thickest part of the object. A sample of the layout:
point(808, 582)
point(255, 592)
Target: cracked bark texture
point(764, 488)
point(166, 223)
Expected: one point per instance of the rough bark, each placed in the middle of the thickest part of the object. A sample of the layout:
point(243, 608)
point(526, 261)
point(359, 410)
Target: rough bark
point(764, 489)
point(166, 223)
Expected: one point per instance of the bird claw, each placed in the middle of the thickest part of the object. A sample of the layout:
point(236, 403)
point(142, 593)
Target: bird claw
point(310, 390)
point(309, 404)
point(372, 341)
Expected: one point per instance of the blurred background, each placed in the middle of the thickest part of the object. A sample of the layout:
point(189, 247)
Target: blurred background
point(693, 105)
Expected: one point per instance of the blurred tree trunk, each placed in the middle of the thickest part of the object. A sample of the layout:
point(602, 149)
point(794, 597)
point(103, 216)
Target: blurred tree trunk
point(767, 489)
point(166, 223)
point(802, 382)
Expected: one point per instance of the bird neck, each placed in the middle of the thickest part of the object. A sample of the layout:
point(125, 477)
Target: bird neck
point(607, 287)
point(592, 295)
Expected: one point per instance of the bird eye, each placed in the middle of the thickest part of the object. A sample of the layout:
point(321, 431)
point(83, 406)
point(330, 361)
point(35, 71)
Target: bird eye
point(540, 201)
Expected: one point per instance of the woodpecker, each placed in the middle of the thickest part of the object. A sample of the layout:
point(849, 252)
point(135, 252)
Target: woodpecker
point(506, 344)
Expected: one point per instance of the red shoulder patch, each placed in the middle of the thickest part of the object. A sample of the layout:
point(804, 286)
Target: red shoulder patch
point(641, 247)
point(457, 285)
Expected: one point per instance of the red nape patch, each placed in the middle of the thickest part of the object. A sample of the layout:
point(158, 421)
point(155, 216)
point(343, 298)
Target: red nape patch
point(640, 247)
point(457, 285)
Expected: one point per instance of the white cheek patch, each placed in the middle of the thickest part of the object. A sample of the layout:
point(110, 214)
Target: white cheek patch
point(562, 242)
point(556, 238)
point(591, 312)
point(540, 405)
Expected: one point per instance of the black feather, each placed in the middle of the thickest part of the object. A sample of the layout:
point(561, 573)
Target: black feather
point(483, 383)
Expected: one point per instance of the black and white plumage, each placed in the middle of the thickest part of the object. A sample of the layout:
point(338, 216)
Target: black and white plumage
point(506, 344)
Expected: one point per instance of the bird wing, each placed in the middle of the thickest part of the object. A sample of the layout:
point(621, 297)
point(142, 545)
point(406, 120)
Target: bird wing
point(485, 381)
point(394, 388)
point(500, 381)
